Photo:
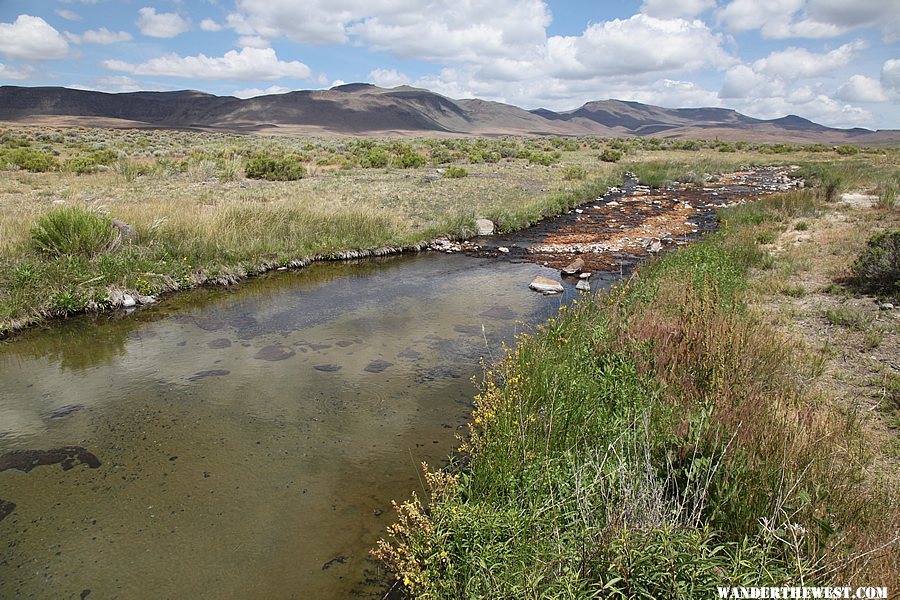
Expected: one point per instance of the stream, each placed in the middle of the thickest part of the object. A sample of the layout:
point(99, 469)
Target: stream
point(247, 441)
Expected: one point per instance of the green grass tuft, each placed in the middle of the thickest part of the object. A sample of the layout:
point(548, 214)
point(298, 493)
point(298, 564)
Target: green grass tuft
point(73, 231)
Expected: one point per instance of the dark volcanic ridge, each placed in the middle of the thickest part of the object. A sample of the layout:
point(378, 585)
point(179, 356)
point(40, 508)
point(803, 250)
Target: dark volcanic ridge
point(364, 109)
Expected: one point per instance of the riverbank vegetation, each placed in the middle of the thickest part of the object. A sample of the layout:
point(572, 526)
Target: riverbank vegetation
point(196, 207)
point(709, 423)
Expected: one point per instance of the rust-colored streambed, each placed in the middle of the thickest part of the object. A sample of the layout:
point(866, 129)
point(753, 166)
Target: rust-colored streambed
point(247, 442)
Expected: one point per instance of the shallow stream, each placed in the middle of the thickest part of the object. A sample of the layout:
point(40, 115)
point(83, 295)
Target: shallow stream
point(247, 442)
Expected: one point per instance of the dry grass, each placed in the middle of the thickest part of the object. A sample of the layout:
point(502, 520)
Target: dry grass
point(198, 219)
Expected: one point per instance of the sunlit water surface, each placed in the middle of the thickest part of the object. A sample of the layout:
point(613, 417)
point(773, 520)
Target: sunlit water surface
point(250, 440)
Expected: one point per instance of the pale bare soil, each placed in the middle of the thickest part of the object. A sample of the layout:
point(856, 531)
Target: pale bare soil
point(853, 339)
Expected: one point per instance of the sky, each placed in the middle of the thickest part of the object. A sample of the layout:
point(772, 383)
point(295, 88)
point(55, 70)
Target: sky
point(836, 62)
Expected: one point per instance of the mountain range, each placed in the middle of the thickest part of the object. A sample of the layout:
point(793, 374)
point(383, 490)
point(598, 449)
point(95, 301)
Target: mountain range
point(364, 109)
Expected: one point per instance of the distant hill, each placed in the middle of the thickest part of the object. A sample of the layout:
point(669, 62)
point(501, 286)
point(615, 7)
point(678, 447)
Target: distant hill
point(364, 109)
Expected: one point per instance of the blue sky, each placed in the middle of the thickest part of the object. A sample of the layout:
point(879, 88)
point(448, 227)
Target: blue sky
point(836, 62)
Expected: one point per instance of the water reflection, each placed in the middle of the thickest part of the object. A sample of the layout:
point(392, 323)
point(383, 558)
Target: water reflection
point(250, 439)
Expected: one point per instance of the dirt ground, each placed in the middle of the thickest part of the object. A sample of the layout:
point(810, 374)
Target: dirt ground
point(853, 339)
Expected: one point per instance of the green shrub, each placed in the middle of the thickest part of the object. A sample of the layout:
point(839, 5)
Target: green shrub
point(286, 168)
point(455, 173)
point(847, 150)
point(375, 159)
point(67, 301)
point(877, 270)
point(574, 172)
point(73, 230)
point(410, 159)
point(611, 155)
point(32, 160)
point(104, 157)
point(540, 158)
point(81, 165)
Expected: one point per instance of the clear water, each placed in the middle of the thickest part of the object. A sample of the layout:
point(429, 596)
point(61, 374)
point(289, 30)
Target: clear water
point(250, 439)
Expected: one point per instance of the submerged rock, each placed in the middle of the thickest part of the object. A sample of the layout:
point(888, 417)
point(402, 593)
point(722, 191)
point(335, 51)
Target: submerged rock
point(219, 343)
point(6, 508)
point(546, 285)
point(329, 368)
point(67, 457)
point(377, 366)
point(499, 312)
point(210, 373)
point(467, 329)
point(65, 410)
point(273, 353)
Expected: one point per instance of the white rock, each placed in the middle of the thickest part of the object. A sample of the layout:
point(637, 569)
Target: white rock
point(128, 301)
point(546, 285)
point(612, 203)
point(485, 226)
point(584, 285)
point(579, 211)
point(503, 249)
point(584, 276)
point(574, 267)
point(146, 299)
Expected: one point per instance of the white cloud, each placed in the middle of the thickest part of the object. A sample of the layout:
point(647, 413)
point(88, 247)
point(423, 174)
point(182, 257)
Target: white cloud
point(422, 29)
point(890, 75)
point(816, 107)
point(114, 84)
point(254, 92)
point(781, 19)
point(248, 64)
point(252, 41)
point(68, 15)
point(745, 15)
point(741, 81)
point(161, 25)
point(884, 14)
point(210, 25)
point(637, 46)
point(119, 83)
point(31, 38)
point(459, 31)
point(312, 22)
point(798, 63)
point(13, 74)
point(671, 93)
point(387, 78)
point(99, 36)
point(860, 88)
point(670, 9)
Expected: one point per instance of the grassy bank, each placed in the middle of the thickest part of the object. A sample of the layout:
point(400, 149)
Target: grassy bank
point(672, 436)
point(205, 207)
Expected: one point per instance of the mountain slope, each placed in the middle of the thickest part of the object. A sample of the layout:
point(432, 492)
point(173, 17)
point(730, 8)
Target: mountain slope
point(364, 109)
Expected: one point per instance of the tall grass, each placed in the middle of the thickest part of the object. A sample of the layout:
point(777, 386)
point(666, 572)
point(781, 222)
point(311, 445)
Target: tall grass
point(73, 231)
point(657, 442)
